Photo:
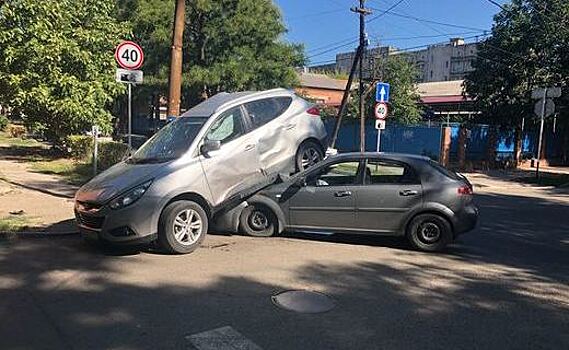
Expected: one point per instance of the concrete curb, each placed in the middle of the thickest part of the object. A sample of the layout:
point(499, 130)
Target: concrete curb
point(32, 234)
point(42, 190)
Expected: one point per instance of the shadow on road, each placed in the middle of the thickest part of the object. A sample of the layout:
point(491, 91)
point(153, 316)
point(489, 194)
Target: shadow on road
point(502, 286)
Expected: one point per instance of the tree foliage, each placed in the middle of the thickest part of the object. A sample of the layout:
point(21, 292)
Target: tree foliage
point(229, 45)
point(56, 62)
point(402, 75)
point(232, 45)
point(527, 49)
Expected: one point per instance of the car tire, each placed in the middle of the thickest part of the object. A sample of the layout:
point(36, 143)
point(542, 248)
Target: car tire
point(308, 154)
point(182, 228)
point(429, 232)
point(258, 221)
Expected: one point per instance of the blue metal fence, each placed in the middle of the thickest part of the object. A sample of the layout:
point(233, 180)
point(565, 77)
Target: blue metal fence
point(425, 140)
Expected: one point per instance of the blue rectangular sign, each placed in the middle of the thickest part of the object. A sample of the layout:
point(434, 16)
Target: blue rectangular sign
point(382, 92)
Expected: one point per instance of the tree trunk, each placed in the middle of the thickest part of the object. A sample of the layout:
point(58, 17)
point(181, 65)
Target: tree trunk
point(462, 138)
point(491, 147)
point(518, 147)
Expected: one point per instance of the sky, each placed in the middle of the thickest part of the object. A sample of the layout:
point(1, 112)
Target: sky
point(327, 27)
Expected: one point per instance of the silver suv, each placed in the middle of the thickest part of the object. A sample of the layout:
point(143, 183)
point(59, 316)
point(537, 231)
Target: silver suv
point(172, 186)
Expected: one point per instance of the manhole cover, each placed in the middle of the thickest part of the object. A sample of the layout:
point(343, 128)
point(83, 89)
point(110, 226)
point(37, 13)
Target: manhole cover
point(303, 301)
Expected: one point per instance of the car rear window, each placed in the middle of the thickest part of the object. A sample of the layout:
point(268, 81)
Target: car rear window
point(446, 172)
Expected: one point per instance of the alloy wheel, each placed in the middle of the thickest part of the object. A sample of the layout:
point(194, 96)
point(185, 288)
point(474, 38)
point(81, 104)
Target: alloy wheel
point(187, 227)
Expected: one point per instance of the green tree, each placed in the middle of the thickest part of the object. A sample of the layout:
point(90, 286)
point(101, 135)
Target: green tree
point(402, 75)
point(527, 49)
point(56, 62)
point(233, 45)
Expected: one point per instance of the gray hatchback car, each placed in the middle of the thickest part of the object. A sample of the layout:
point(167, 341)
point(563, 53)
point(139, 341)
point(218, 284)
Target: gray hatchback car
point(370, 193)
point(172, 186)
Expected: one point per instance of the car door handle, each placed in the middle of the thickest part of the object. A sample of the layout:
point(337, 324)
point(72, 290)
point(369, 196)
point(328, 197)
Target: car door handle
point(249, 147)
point(408, 193)
point(343, 194)
point(290, 126)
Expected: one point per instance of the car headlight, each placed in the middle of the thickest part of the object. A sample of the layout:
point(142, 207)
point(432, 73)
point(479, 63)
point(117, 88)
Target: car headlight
point(126, 199)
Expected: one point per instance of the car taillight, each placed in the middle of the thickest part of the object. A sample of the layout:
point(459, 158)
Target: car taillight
point(314, 111)
point(465, 190)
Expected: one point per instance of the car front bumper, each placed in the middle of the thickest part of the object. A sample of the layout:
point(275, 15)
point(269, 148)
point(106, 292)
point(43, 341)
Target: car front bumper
point(131, 225)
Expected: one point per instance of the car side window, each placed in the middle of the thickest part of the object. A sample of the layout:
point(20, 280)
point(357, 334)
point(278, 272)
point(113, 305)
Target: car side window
point(383, 172)
point(227, 127)
point(338, 174)
point(263, 111)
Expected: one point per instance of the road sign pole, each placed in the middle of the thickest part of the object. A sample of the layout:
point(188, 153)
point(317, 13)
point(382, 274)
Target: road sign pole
point(95, 132)
point(378, 140)
point(544, 100)
point(129, 116)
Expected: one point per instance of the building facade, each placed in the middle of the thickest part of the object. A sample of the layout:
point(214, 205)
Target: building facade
point(443, 62)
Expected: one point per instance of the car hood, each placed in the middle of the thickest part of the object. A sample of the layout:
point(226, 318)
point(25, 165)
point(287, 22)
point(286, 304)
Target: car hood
point(116, 180)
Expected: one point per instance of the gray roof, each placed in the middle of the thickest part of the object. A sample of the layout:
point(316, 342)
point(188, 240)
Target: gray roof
point(209, 106)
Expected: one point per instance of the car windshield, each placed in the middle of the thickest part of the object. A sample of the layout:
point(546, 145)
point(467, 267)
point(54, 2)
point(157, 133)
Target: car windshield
point(170, 142)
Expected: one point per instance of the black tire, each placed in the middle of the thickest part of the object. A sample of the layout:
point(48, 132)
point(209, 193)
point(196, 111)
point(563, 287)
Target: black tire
point(308, 154)
point(168, 232)
point(258, 221)
point(429, 232)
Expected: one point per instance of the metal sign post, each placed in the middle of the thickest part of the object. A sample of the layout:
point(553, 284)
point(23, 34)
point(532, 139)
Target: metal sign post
point(543, 108)
point(543, 102)
point(129, 56)
point(129, 116)
point(95, 132)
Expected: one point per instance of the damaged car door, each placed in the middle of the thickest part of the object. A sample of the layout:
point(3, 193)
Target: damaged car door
point(229, 157)
point(272, 131)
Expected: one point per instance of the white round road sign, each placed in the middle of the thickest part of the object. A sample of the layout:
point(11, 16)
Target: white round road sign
point(381, 110)
point(129, 55)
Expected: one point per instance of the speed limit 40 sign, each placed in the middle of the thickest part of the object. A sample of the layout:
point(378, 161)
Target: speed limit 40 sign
point(129, 55)
point(381, 111)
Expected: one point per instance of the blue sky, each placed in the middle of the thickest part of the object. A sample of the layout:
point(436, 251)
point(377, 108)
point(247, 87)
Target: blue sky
point(323, 25)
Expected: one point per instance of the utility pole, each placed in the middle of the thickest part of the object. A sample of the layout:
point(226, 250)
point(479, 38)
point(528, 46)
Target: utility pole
point(175, 80)
point(358, 59)
point(362, 12)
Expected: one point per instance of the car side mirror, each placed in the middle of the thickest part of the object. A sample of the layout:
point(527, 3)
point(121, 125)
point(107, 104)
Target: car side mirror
point(209, 146)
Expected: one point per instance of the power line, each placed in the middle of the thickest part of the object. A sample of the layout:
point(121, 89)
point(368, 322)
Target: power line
point(383, 13)
point(333, 48)
point(316, 14)
point(418, 19)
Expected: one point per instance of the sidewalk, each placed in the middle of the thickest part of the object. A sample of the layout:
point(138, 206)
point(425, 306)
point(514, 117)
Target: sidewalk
point(44, 203)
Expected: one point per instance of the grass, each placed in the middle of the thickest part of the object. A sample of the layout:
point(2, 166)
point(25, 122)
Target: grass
point(14, 223)
point(6, 139)
point(74, 172)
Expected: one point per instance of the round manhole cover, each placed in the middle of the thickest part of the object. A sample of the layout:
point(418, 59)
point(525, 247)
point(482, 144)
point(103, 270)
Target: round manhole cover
point(303, 301)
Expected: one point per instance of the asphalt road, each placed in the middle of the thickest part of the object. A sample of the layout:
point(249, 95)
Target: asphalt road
point(503, 286)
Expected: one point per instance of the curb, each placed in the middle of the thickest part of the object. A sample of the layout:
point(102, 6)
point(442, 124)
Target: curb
point(32, 234)
point(34, 188)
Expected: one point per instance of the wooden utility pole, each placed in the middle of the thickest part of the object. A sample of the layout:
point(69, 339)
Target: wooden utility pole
point(175, 80)
point(358, 59)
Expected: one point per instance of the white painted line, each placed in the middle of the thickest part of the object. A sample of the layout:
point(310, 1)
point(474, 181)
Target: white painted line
point(224, 338)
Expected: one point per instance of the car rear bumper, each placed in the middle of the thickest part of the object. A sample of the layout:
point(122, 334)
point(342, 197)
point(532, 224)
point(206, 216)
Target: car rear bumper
point(466, 219)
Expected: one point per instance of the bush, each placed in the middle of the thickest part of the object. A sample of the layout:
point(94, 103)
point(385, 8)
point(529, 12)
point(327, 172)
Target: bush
point(18, 131)
point(3, 122)
point(110, 153)
point(80, 146)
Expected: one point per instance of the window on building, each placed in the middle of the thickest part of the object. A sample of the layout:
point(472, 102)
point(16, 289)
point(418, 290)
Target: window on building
point(446, 64)
point(431, 74)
